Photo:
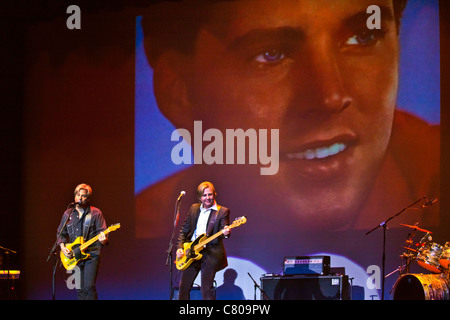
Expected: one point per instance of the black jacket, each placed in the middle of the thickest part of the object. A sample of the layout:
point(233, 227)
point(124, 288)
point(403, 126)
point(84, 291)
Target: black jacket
point(215, 250)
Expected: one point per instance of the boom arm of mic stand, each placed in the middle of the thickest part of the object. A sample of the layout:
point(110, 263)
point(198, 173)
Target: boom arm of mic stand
point(7, 250)
point(384, 223)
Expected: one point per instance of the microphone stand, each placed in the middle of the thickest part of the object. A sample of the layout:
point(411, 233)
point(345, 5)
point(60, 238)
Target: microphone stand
point(260, 289)
point(384, 225)
point(55, 255)
point(169, 251)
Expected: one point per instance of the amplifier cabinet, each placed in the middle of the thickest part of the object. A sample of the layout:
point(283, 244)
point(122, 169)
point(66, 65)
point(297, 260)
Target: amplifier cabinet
point(305, 287)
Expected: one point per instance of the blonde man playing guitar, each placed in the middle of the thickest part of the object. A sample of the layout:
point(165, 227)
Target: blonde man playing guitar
point(82, 222)
point(204, 218)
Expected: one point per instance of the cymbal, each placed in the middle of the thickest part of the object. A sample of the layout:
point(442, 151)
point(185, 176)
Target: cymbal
point(411, 249)
point(415, 227)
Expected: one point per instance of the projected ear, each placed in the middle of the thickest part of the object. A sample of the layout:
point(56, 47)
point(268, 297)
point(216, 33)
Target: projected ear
point(170, 87)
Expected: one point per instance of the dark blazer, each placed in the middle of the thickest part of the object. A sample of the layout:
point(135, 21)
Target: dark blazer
point(215, 250)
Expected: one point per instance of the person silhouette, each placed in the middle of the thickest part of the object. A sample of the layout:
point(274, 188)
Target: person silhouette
point(228, 290)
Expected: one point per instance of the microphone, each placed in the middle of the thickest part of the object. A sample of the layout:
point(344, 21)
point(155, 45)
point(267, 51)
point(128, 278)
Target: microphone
point(429, 203)
point(73, 204)
point(182, 193)
point(177, 208)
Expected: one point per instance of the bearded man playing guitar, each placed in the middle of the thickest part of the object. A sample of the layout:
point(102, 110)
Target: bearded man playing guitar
point(82, 222)
point(204, 218)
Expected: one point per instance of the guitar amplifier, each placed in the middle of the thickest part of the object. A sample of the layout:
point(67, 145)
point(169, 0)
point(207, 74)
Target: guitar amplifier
point(305, 287)
point(310, 265)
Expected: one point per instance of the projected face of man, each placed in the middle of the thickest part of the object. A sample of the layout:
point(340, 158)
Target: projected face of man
point(313, 70)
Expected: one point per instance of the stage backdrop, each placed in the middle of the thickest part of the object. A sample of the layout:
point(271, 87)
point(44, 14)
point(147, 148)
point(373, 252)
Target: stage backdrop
point(102, 105)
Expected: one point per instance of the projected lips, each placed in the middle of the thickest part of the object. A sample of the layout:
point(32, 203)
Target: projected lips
point(323, 159)
point(319, 153)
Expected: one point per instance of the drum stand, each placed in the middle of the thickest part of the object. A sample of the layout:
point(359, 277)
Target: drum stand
point(407, 256)
point(384, 225)
point(403, 269)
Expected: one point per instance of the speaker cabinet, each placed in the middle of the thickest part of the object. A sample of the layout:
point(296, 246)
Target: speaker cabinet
point(305, 287)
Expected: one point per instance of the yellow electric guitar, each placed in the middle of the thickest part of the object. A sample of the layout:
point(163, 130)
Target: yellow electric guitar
point(192, 249)
point(78, 247)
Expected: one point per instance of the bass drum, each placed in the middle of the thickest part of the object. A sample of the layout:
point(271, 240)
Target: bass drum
point(422, 287)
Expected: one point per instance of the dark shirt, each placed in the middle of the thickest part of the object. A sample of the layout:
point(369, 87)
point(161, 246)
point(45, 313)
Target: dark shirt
point(74, 228)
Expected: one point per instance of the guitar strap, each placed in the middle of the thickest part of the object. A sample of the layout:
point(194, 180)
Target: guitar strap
point(87, 223)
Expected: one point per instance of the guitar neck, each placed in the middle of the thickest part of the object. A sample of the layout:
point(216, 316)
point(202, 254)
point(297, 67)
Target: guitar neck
point(207, 240)
point(235, 224)
point(91, 241)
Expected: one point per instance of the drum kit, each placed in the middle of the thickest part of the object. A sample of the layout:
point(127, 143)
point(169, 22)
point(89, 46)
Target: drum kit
point(430, 256)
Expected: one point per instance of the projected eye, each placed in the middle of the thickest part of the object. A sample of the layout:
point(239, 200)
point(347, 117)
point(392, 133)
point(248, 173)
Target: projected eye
point(360, 39)
point(270, 56)
point(365, 38)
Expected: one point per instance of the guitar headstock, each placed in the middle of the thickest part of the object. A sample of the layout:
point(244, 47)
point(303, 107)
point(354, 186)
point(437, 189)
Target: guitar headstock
point(114, 227)
point(238, 221)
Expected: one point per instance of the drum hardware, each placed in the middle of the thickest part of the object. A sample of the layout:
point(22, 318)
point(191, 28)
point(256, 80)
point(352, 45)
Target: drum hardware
point(428, 257)
point(410, 256)
point(444, 259)
point(404, 269)
point(415, 228)
point(384, 225)
point(432, 257)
